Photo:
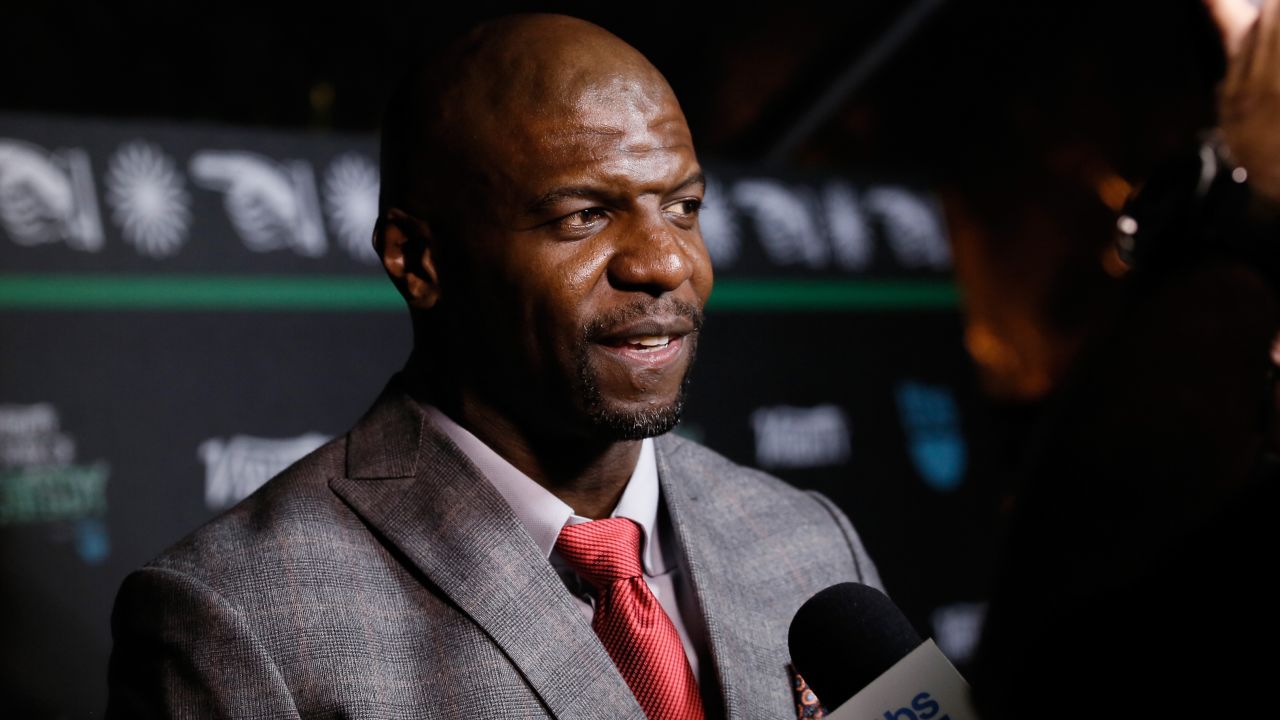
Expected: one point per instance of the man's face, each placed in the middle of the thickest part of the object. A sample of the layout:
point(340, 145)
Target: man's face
point(587, 275)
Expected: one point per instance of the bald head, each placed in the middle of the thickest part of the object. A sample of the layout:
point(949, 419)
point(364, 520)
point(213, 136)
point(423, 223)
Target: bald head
point(502, 92)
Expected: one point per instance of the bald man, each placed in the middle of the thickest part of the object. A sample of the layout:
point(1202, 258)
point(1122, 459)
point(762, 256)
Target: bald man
point(510, 531)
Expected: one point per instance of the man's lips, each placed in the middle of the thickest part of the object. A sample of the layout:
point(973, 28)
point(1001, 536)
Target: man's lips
point(651, 351)
point(647, 341)
point(646, 331)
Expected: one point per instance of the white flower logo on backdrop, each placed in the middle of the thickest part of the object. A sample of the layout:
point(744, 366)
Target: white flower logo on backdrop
point(148, 199)
point(48, 196)
point(351, 202)
point(272, 205)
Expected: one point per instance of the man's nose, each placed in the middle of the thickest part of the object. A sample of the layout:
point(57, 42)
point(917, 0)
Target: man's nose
point(653, 257)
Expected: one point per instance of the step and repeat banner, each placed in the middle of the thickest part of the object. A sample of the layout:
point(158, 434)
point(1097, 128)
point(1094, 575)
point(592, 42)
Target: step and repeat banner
point(185, 310)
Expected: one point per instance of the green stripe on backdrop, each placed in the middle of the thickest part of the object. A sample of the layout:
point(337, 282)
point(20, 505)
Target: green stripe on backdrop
point(352, 294)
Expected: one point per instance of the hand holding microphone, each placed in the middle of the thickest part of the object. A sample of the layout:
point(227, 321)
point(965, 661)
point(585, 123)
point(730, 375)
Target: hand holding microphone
point(864, 661)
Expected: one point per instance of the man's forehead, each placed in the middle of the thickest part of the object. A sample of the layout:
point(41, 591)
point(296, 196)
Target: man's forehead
point(542, 73)
point(613, 132)
point(628, 151)
point(629, 99)
point(531, 101)
point(608, 125)
point(571, 100)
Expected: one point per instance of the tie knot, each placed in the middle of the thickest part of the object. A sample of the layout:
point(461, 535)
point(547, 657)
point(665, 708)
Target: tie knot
point(602, 551)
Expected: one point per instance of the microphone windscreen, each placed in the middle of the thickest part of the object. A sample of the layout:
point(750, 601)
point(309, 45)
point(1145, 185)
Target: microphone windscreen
point(846, 636)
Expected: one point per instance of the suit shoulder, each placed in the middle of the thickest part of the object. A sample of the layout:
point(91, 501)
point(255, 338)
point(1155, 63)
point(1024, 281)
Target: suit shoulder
point(698, 461)
point(771, 505)
point(291, 507)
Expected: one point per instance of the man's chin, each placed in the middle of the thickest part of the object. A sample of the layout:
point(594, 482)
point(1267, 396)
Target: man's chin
point(635, 423)
point(618, 410)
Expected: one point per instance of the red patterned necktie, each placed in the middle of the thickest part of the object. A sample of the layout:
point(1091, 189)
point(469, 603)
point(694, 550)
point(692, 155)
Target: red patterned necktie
point(631, 624)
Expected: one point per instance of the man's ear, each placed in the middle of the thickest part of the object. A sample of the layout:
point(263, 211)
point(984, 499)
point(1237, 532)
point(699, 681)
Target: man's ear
point(405, 244)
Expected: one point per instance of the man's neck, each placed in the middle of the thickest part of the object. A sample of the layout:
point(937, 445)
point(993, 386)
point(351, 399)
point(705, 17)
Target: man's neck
point(587, 475)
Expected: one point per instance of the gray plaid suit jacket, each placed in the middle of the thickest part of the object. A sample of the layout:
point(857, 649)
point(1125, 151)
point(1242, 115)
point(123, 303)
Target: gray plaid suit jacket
point(383, 577)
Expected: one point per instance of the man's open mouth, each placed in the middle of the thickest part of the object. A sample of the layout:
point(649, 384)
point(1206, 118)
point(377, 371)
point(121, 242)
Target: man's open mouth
point(646, 349)
point(648, 343)
point(647, 337)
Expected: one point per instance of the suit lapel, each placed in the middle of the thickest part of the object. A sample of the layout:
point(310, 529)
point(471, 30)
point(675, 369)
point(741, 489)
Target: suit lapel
point(742, 633)
point(411, 484)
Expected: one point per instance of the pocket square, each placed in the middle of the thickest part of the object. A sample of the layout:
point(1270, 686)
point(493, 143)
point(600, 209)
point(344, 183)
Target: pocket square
point(808, 707)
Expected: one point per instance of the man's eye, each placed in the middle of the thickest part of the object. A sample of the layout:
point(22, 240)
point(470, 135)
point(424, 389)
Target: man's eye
point(583, 218)
point(686, 207)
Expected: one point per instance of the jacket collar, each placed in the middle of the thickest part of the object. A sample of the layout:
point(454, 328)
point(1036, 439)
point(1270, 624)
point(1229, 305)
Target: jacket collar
point(719, 543)
point(417, 489)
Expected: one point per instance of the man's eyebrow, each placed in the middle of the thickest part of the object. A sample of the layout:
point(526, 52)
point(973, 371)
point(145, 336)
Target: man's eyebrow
point(550, 198)
point(547, 199)
point(698, 178)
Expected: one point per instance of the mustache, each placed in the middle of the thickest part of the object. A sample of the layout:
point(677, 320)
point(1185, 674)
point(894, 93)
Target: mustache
point(599, 325)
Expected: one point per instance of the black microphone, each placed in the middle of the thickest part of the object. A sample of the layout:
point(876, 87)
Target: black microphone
point(860, 654)
point(844, 616)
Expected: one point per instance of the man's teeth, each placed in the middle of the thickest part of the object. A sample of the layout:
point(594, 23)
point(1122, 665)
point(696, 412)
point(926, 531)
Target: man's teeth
point(655, 341)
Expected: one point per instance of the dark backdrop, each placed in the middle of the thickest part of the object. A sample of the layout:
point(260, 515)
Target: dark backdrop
point(184, 310)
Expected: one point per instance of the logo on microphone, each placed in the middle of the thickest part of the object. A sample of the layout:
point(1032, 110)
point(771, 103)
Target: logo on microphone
point(923, 707)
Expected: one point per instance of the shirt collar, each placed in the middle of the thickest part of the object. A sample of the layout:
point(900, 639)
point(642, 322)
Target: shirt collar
point(542, 513)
